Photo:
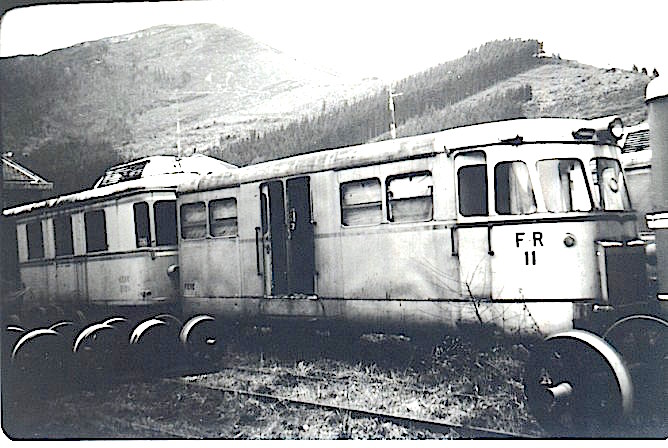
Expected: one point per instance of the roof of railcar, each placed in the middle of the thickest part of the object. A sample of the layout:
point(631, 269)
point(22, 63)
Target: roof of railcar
point(168, 172)
point(530, 130)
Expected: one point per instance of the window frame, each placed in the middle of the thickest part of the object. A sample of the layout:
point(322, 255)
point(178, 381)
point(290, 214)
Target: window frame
point(598, 197)
point(212, 221)
point(30, 237)
point(58, 236)
point(361, 205)
point(145, 213)
point(408, 175)
point(88, 229)
point(496, 189)
point(204, 221)
point(478, 166)
point(583, 172)
point(159, 228)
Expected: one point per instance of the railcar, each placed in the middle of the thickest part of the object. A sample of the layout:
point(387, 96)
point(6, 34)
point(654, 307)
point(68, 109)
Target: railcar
point(520, 224)
point(110, 246)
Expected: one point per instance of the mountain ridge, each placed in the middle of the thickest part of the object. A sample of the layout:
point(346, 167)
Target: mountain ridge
point(235, 98)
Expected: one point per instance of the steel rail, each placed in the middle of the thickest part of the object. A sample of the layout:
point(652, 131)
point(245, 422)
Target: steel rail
point(315, 378)
point(441, 427)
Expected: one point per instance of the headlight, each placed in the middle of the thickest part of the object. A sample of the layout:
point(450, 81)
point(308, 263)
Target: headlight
point(616, 128)
point(569, 240)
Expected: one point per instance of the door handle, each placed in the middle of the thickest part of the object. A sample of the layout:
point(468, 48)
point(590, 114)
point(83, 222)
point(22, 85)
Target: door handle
point(293, 219)
point(258, 250)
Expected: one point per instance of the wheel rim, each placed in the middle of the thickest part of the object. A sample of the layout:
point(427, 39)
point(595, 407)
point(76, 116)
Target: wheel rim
point(576, 379)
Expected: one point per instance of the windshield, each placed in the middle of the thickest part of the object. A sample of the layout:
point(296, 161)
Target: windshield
point(609, 187)
point(564, 185)
point(513, 190)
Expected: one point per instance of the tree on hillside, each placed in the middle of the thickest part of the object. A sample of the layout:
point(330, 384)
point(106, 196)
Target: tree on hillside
point(423, 93)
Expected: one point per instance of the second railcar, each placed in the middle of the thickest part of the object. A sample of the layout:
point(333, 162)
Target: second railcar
point(114, 245)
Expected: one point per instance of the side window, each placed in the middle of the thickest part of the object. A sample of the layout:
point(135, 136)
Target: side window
point(165, 223)
point(62, 235)
point(410, 197)
point(223, 217)
point(472, 187)
point(513, 192)
point(142, 225)
point(361, 202)
point(96, 231)
point(35, 240)
point(193, 220)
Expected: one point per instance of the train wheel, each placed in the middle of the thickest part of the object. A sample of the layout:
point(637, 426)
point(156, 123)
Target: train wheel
point(578, 385)
point(639, 338)
point(200, 340)
point(642, 340)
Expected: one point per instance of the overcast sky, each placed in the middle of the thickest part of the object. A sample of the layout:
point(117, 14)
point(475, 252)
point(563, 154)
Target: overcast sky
point(385, 38)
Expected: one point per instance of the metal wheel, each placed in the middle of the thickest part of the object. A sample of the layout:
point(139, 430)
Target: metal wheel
point(578, 385)
point(642, 340)
point(639, 338)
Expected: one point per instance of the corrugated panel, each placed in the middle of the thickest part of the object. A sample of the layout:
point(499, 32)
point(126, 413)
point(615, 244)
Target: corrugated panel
point(636, 141)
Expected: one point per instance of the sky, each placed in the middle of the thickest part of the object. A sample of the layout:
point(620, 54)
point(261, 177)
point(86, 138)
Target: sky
point(388, 39)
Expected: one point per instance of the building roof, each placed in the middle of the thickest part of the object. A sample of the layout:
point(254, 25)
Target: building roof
point(637, 138)
point(18, 177)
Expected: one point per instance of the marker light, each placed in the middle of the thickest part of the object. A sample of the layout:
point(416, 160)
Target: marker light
point(616, 128)
point(584, 134)
point(569, 240)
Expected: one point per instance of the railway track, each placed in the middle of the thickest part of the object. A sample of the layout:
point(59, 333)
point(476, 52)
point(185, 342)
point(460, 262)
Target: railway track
point(418, 423)
point(457, 430)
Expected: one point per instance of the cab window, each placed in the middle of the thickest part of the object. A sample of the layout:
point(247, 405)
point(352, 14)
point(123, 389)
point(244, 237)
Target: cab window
point(472, 188)
point(564, 185)
point(361, 202)
point(513, 191)
point(409, 197)
point(609, 189)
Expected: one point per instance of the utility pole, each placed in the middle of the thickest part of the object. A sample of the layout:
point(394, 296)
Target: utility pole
point(178, 131)
point(393, 124)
